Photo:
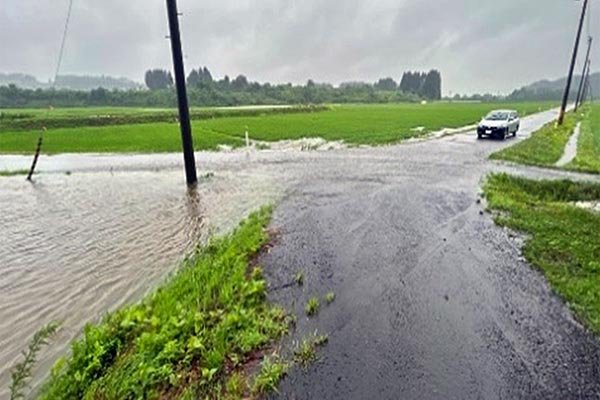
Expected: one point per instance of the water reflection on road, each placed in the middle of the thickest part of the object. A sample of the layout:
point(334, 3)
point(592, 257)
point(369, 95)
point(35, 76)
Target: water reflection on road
point(75, 246)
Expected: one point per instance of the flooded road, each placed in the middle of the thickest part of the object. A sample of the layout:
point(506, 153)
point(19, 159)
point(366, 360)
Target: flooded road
point(432, 299)
point(76, 246)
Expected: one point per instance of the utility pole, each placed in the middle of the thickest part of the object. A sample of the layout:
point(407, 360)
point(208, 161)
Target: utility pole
point(563, 109)
point(588, 85)
point(182, 100)
point(586, 65)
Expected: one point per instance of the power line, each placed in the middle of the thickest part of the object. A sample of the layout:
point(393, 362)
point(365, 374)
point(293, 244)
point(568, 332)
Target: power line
point(62, 44)
point(563, 108)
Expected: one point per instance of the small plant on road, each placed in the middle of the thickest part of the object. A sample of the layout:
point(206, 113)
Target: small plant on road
point(299, 279)
point(272, 371)
point(312, 307)
point(306, 351)
point(330, 297)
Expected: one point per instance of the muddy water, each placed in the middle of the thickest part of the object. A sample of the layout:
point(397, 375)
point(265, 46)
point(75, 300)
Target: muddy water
point(73, 247)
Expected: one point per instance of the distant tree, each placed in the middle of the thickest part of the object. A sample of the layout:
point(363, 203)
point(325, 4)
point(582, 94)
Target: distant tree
point(412, 82)
point(193, 78)
point(239, 83)
point(98, 96)
point(157, 79)
point(387, 84)
point(432, 86)
point(224, 84)
point(426, 85)
point(206, 75)
point(200, 77)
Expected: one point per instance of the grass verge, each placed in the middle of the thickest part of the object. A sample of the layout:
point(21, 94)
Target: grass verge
point(563, 240)
point(544, 148)
point(188, 338)
point(588, 149)
point(14, 173)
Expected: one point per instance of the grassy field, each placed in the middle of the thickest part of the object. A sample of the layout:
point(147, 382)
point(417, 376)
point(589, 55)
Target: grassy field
point(34, 119)
point(355, 124)
point(544, 148)
point(563, 239)
point(588, 149)
point(189, 339)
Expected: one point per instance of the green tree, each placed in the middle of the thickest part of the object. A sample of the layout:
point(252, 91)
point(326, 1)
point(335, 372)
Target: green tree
point(158, 79)
point(387, 84)
point(432, 85)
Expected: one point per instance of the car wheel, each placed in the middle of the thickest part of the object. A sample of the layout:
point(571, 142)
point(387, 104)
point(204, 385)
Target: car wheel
point(479, 136)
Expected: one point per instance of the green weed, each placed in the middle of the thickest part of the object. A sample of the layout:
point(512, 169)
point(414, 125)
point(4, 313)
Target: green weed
point(22, 371)
point(330, 297)
point(312, 306)
point(306, 351)
point(271, 372)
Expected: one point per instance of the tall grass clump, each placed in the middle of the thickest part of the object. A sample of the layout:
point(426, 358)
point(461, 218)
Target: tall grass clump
point(185, 339)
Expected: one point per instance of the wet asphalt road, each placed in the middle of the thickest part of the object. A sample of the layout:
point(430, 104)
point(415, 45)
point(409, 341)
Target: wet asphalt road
point(433, 300)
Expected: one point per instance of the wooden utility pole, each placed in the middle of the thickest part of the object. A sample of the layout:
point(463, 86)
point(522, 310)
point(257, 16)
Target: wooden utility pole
point(587, 86)
point(182, 100)
point(586, 65)
point(563, 108)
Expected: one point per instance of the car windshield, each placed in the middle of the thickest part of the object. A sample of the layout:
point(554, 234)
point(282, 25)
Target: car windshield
point(497, 116)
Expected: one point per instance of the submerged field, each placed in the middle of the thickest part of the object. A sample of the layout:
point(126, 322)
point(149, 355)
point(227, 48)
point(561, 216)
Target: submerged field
point(354, 124)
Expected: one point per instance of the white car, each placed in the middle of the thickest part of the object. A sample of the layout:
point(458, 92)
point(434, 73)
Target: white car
point(500, 124)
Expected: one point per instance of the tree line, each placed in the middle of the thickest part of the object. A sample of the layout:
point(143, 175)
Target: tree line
point(427, 85)
point(204, 90)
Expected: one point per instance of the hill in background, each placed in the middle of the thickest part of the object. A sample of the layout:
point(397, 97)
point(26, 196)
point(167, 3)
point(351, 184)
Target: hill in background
point(73, 82)
point(554, 89)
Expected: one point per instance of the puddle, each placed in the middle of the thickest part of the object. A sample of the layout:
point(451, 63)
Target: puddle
point(593, 206)
point(571, 148)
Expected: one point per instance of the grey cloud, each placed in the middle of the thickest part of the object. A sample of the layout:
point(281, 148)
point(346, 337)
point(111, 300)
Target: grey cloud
point(479, 45)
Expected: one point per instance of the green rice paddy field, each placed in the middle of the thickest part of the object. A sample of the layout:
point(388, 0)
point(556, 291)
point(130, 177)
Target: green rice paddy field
point(126, 130)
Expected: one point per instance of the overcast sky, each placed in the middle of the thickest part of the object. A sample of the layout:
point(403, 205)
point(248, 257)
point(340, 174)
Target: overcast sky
point(478, 45)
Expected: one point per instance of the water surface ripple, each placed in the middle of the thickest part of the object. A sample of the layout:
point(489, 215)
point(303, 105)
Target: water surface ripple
point(73, 247)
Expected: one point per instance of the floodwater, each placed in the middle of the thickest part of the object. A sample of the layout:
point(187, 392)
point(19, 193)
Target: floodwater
point(428, 288)
point(96, 232)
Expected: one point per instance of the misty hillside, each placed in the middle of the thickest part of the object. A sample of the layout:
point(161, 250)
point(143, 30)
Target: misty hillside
point(553, 90)
point(74, 82)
